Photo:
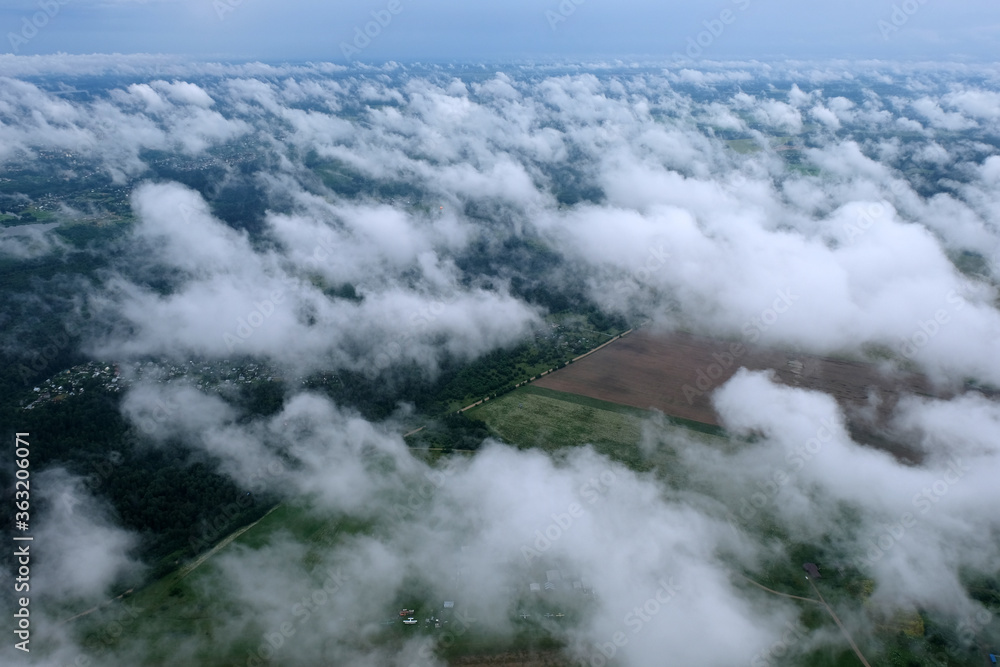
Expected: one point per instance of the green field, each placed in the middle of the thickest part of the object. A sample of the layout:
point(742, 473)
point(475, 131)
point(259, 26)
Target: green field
point(188, 602)
point(545, 419)
point(195, 603)
point(747, 146)
point(155, 621)
point(29, 216)
point(535, 417)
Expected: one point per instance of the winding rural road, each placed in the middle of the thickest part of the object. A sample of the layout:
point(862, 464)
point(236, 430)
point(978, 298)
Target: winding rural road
point(854, 646)
point(821, 601)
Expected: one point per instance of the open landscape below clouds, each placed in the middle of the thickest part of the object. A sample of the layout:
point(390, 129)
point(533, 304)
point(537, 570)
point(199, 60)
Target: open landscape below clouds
point(243, 283)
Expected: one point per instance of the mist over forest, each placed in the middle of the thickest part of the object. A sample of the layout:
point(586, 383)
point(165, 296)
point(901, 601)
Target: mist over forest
point(235, 293)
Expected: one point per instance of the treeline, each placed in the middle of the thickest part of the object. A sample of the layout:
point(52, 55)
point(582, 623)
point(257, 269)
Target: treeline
point(500, 371)
point(169, 494)
point(450, 432)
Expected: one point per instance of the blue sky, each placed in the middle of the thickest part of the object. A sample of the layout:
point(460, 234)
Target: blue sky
point(517, 29)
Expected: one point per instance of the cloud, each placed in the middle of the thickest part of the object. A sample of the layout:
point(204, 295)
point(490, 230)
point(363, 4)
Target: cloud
point(29, 241)
point(479, 531)
point(237, 300)
point(939, 118)
point(825, 116)
point(411, 216)
point(495, 521)
point(978, 103)
point(80, 550)
point(921, 526)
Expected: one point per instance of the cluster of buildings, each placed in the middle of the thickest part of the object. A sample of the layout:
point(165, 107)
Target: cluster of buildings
point(432, 621)
point(113, 377)
point(70, 382)
point(560, 580)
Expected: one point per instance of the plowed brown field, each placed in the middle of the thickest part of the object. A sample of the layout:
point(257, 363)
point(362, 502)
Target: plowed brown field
point(676, 373)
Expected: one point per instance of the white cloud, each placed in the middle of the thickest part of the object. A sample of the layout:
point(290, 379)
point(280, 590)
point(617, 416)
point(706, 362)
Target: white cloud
point(676, 226)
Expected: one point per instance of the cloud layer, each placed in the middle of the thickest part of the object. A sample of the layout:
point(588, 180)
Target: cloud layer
point(806, 206)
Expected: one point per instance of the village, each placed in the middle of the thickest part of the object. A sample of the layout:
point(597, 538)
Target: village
point(113, 377)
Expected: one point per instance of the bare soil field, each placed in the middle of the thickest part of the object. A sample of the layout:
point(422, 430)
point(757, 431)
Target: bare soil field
point(676, 373)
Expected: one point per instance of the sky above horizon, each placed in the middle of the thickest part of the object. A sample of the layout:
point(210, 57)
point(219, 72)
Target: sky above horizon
point(436, 30)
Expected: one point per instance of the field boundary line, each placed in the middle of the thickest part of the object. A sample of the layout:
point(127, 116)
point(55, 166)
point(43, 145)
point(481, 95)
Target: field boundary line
point(551, 370)
point(587, 354)
point(95, 608)
point(188, 569)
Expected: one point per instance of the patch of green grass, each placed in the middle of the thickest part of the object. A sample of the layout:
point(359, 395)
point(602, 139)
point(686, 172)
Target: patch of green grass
point(689, 424)
point(287, 517)
point(744, 146)
point(804, 169)
point(29, 216)
point(546, 419)
point(173, 610)
point(550, 420)
point(531, 417)
point(179, 606)
point(42, 215)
